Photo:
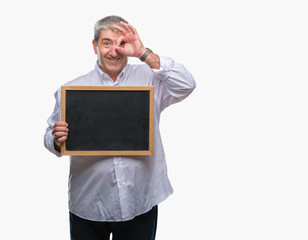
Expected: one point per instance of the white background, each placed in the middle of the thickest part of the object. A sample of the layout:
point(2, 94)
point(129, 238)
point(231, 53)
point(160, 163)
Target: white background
point(236, 148)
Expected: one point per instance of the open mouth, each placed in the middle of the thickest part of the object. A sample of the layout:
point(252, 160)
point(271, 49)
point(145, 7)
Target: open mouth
point(113, 59)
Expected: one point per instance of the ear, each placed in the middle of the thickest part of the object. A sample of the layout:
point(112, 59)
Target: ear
point(94, 46)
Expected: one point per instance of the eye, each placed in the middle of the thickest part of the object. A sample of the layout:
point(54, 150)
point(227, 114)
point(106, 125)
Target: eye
point(122, 43)
point(106, 44)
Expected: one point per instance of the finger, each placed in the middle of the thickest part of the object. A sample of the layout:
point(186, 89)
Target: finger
point(130, 27)
point(58, 135)
point(120, 29)
point(121, 50)
point(61, 139)
point(59, 129)
point(60, 123)
point(58, 126)
point(121, 41)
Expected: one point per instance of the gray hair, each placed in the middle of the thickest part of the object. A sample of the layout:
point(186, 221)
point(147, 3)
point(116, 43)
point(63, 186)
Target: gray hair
point(106, 23)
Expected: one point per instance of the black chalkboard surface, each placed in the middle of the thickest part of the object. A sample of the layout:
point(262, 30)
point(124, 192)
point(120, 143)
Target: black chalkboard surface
point(108, 120)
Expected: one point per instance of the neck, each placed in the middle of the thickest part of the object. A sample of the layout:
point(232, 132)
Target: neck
point(112, 76)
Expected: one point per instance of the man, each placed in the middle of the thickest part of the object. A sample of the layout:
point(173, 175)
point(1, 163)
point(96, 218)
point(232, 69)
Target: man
point(119, 195)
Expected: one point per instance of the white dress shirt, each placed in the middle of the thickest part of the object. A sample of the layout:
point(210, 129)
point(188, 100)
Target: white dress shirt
point(106, 188)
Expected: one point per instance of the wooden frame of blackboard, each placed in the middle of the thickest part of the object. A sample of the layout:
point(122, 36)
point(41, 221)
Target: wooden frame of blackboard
point(117, 90)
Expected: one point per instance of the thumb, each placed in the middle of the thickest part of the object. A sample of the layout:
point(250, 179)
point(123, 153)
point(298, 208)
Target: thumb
point(120, 49)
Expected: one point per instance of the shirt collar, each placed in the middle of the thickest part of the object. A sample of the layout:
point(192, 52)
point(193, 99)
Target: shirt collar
point(105, 76)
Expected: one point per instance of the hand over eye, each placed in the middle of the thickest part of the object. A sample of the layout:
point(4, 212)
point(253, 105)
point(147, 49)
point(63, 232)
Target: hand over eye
point(129, 42)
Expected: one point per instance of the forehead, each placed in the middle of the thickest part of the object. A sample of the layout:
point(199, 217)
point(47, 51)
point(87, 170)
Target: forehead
point(109, 34)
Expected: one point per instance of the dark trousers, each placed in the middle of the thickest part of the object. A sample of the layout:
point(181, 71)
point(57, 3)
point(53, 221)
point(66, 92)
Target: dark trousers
point(142, 227)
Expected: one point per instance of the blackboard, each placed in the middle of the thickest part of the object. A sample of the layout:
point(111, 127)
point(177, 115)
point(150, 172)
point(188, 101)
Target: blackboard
point(108, 120)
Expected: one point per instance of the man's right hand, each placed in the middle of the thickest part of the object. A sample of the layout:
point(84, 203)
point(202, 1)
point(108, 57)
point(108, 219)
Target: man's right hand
point(59, 132)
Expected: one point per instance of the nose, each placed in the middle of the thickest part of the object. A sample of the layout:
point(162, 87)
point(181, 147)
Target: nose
point(113, 52)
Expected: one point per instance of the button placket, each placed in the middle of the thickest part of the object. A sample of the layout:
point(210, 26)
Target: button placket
point(118, 171)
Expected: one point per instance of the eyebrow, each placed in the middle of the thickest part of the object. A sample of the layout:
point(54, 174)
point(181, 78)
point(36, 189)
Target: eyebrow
point(106, 39)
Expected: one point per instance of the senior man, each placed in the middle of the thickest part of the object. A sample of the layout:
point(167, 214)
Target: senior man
point(111, 194)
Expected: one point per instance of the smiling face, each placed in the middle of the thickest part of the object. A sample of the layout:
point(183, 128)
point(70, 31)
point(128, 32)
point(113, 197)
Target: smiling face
point(110, 61)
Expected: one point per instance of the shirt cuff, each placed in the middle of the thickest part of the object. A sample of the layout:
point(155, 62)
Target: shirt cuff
point(50, 145)
point(166, 64)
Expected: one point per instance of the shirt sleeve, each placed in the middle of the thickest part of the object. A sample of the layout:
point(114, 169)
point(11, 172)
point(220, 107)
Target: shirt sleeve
point(55, 116)
point(176, 81)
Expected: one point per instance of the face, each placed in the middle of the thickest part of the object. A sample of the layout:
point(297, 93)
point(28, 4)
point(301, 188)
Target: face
point(111, 62)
